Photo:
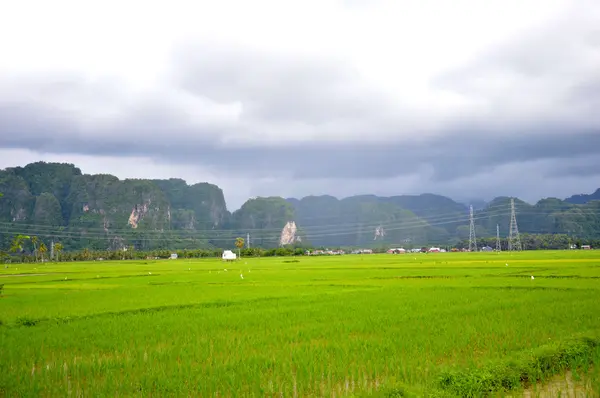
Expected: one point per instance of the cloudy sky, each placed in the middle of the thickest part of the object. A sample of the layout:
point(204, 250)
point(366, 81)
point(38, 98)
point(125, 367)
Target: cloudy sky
point(469, 98)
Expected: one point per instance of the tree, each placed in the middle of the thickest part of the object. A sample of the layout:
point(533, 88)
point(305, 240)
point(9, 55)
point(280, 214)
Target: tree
point(239, 243)
point(86, 254)
point(43, 250)
point(34, 241)
point(17, 244)
point(58, 247)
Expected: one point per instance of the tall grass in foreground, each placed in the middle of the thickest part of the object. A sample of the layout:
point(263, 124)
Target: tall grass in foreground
point(452, 325)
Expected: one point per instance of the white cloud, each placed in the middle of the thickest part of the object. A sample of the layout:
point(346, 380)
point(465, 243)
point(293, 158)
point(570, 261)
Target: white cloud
point(396, 47)
point(158, 89)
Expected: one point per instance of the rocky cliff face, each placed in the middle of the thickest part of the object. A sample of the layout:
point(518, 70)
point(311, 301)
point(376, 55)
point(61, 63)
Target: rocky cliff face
point(264, 219)
point(358, 221)
point(98, 210)
point(289, 234)
point(199, 206)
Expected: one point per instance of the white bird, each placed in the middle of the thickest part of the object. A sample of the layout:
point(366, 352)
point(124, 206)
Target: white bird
point(532, 277)
point(149, 273)
point(507, 264)
point(241, 276)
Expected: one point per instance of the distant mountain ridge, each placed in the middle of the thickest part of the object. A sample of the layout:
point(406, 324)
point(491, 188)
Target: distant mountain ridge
point(58, 202)
point(583, 198)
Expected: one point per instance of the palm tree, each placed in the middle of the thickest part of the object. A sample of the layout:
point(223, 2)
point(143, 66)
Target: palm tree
point(58, 247)
point(239, 243)
point(43, 250)
point(17, 244)
point(34, 241)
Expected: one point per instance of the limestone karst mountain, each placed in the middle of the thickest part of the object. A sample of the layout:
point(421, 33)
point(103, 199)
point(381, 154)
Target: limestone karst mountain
point(57, 201)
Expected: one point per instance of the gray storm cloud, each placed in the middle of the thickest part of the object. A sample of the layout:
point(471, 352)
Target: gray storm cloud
point(532, 99)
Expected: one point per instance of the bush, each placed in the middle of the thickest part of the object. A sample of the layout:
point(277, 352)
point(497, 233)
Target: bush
point(25, 321)
point(539, 364)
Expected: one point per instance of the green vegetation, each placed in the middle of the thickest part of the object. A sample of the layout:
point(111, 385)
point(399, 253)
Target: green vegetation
point(100, 212)
point(445, 324)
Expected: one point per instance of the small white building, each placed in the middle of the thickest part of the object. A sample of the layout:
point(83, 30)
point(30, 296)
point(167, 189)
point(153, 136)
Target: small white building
point(228, 255)
point(173, 256)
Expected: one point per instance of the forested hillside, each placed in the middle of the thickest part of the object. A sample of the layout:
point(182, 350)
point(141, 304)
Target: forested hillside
point(57, 202)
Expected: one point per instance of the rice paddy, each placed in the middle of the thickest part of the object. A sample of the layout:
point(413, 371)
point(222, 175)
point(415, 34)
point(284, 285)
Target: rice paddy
point(440, 324)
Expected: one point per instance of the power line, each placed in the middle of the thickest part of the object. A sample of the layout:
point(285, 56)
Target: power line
point(514, 240)
point(231, 234)
point(264, 235)
point(450, 217)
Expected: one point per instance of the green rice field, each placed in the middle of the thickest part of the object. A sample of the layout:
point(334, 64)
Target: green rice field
point(439, 324)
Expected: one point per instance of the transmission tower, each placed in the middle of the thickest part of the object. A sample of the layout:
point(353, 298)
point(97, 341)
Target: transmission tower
point(498, 247)
point(514, 241)
point(472, 239)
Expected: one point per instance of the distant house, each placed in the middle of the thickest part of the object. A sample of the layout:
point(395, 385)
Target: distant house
point(434, 250)
point(486, 249)
point(396, 251)
point(173, 256)
point(586, 247)
point(228, 255)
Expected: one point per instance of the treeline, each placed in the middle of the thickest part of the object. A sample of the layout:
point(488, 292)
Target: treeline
point(31, 256)
point(28, 249)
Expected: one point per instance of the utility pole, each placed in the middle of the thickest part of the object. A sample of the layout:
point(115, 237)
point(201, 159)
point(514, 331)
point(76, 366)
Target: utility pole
point(52, 250)
point(472, 238)
point(514, 240)
point(498, 246)
point(248, 240)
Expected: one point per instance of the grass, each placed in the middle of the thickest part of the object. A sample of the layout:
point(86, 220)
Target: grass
point(444, 324)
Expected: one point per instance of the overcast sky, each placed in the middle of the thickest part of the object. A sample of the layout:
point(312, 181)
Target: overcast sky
point(468, 98)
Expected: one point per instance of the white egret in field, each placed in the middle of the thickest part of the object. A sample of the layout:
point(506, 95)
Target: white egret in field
point(532, 277)
point(149, 273)
point(507, 264)
point(241, 276)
